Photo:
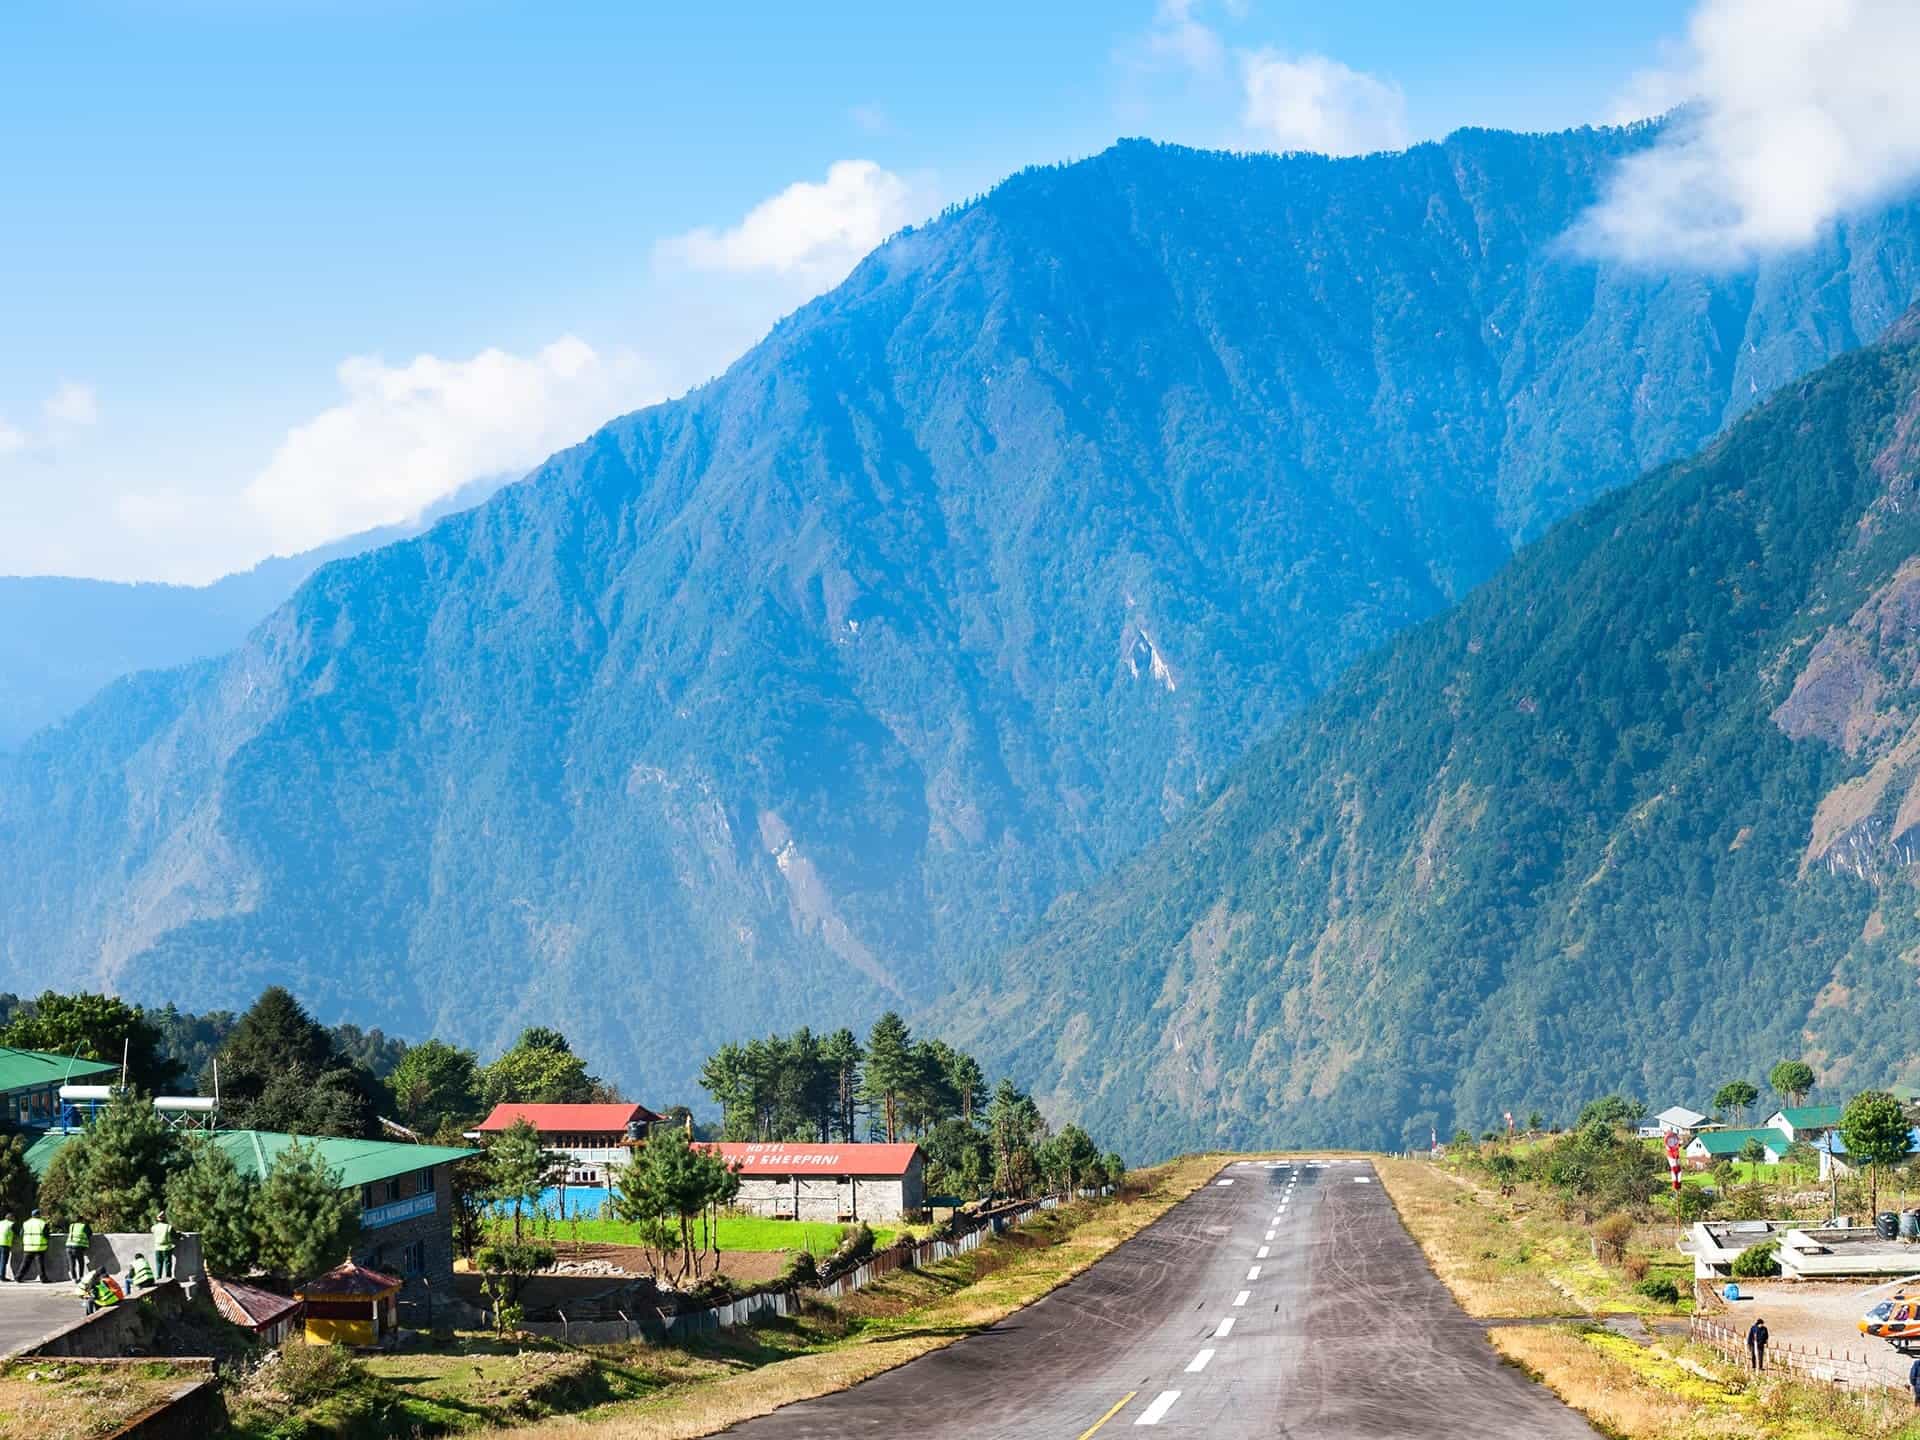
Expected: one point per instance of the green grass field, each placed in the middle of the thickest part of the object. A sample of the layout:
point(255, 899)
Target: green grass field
point(736, 1232)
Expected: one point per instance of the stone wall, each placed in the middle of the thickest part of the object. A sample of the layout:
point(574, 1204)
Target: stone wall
point(825, 1197)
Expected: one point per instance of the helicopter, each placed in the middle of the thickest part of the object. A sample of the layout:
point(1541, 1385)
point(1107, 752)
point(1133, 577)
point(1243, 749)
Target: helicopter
point(1896, 1318)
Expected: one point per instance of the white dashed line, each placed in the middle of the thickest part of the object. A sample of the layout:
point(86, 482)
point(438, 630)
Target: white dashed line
point(1157, 1411)
point(1254, 1273)
point(1199, 1362)
point(1223, 1329)
point(1226, 1182)
point(1262, 1253)
point(1271, 1234)
point(1241, 1298)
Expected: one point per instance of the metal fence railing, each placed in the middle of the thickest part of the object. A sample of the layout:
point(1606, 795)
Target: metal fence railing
point(659, 1328)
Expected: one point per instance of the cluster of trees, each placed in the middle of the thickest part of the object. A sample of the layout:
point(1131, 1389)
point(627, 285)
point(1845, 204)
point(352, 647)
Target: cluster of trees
point(129, 1164)
point(896, 1087)
point(276, 1068)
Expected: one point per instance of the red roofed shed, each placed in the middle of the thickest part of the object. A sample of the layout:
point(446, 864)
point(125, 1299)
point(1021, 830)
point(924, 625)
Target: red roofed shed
point(829, 1182)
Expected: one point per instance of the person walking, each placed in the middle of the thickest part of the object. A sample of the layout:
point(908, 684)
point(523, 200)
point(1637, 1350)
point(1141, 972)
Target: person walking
point(79, 1242)
point(1757, 1343)
point(139, 1274)
point(33, 1247)
point(7, 1233)
point(162, 1248)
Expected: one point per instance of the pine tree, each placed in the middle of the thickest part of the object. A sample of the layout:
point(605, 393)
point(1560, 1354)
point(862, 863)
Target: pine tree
point(891, 1068)
point(114, 1174)
point(303, 1223)
point(212, 1199)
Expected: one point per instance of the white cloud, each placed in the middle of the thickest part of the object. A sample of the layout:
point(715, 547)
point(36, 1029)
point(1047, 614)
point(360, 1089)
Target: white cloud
point(72, 403)
point(815, 229)
point(1801, 113)
point(1180, 36)
point(11, 438)
point(1309, 102)
point(406, 436)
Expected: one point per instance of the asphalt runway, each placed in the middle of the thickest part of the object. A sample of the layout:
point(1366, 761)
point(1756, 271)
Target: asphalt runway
point(1290, 1302)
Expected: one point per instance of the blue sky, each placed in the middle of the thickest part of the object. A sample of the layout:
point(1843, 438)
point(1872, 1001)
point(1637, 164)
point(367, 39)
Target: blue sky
point(271, 271)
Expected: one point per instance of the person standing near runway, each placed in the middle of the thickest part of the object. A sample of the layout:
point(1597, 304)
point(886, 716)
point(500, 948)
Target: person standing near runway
point(1757, 1343)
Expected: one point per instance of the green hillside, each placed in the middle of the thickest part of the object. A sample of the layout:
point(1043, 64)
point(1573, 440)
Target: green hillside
point(1639, 813)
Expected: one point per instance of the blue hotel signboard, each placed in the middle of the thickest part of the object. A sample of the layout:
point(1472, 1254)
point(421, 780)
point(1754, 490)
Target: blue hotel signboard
point(399, 1210)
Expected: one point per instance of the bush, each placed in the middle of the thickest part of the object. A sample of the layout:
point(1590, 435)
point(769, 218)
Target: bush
point(312, 1372)
point(1610, 1237)
point(1757, 1262)
point(1692, 1204)
point(856, 1244)
point(1661, 1289)
point(801, 1270)
point(1636, 1267)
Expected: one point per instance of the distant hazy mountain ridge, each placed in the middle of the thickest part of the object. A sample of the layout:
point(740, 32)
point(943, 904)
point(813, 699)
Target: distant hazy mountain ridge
point(807, 689)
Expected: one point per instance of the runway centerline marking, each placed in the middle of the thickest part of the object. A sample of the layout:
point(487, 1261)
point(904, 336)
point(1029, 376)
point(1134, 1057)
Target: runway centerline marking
point(1118, 1405)
point(1270, 1234)
point(1241, 1298)
point(1261, 1253)
point(1199, 1362)
point(1157, 1411)
point(1223, 1329)
point(1253, 1273)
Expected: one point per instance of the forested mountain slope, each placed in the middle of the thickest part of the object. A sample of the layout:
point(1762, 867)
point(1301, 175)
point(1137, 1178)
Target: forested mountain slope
point(781, 700)
point(63, 638)
point(1640, 813)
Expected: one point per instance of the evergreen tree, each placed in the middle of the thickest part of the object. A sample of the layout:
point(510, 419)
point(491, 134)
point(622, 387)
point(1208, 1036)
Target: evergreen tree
point(303, 1223)
point(540, 1069)
point(891, 1069)
point(114, 1174)
point(278, 1071)
point(209, 1197)
point(436, 1083)
point(19, 1188)
point(669, 1186)
point(1876, 1132)
point(843, 1056)
point(1017, 1129)
point(1791, 1080)
point(517, 1171)
point(1734, 1097)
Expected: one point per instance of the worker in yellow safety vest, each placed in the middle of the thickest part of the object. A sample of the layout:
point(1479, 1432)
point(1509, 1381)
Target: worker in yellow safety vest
point(79, 1242)
point(162, 1247)
point(139, 1274)
point(7, 1231)
point(33, 1247)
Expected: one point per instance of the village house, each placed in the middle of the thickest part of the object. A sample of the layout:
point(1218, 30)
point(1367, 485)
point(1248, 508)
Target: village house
point(1675, 1119)
point(594, 1141)
point(829, 1182)
point(1711, 1145)
point(30, 1082)
point(1805, 1122)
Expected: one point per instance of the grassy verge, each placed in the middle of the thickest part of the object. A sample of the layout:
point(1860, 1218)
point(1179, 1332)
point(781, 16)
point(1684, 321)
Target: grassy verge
point(1684, 1392)
point(735, 1232)
point(52, 1401)
point(705, 1388)
point(1514, 1256)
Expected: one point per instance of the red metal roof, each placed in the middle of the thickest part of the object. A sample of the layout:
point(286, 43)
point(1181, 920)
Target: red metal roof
point(568, 1119)
point(351, 1278)
point(780, 1158)
point(248, 1305)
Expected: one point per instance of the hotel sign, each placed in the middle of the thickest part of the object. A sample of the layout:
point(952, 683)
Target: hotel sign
point(383, 1215)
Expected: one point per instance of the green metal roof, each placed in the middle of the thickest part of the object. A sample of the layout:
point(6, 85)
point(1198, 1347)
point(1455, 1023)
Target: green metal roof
point(1731, 1142)
point(1812, 1117)
point(29, 1069)
point(359, 1162)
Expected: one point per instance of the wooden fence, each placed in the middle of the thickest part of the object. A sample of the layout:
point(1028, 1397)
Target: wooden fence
point(1825, 1364)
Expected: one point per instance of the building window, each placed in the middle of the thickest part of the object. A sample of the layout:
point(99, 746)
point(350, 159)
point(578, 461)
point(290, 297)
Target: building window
point(414, 1258)
point(393, 1189)
point(426, 1181)
point(366, 1197)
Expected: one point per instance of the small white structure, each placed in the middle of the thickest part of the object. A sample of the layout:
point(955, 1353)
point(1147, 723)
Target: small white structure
point(1845, 1254)
point(829, 1182)
point(1676, 1118)
point(1714, 1244)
